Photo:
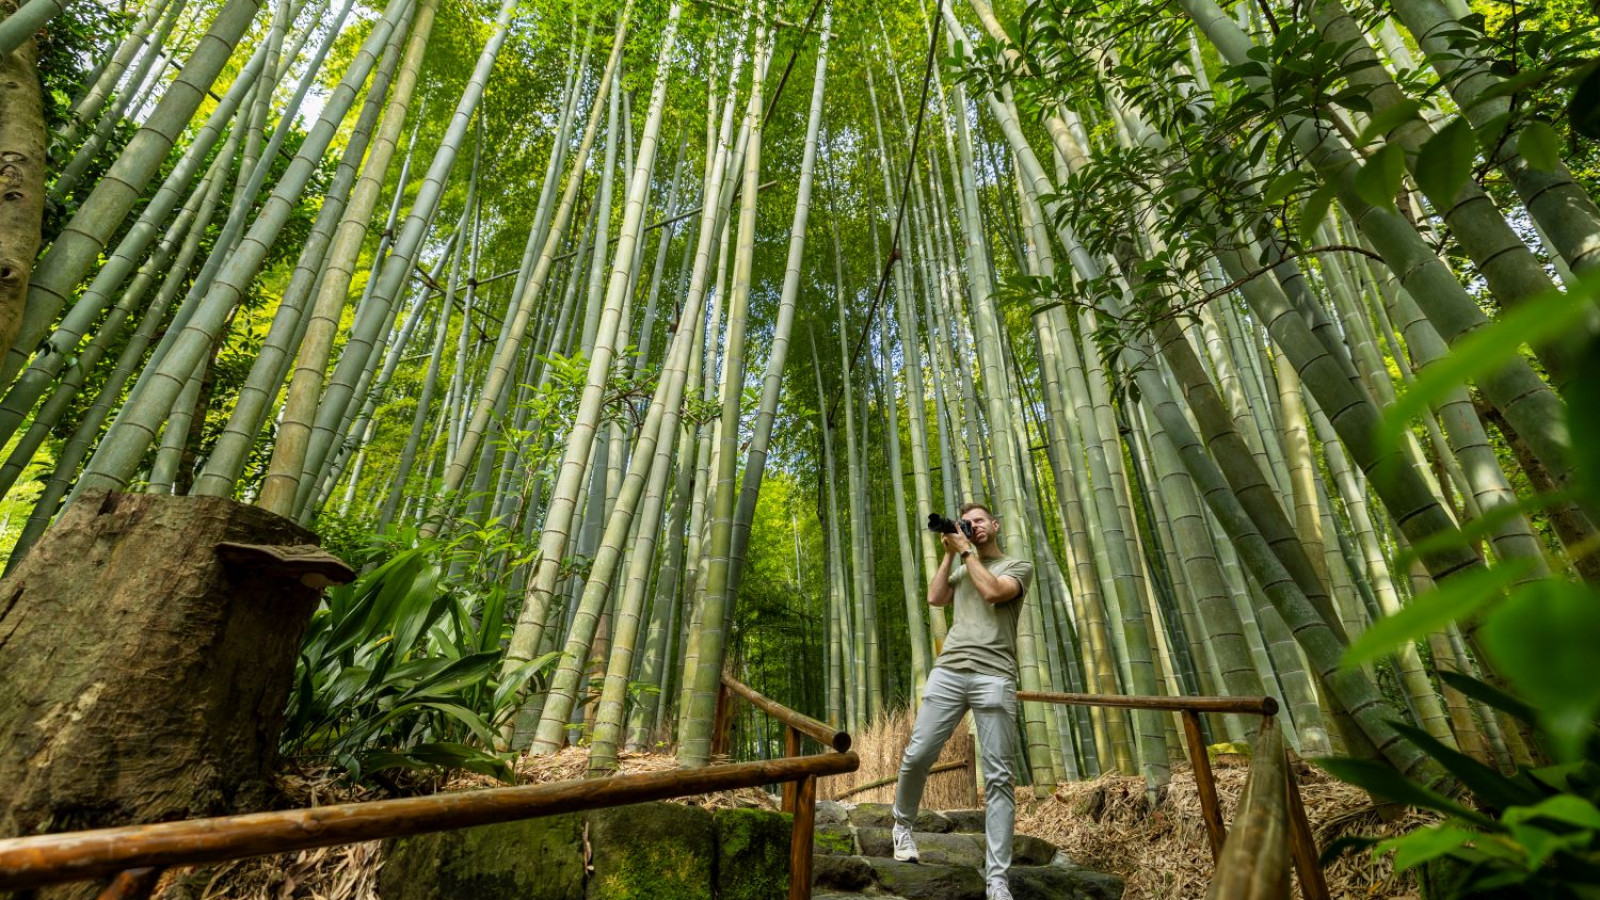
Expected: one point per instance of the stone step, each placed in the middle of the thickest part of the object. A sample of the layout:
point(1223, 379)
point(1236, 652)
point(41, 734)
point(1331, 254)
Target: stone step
point(955, 849)
point(852, 875)
point(881, 815)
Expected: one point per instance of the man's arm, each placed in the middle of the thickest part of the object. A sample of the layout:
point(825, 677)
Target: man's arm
point(991, 587)
point(940, 593)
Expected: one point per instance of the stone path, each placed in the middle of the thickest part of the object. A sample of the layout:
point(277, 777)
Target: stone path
point(855, 859)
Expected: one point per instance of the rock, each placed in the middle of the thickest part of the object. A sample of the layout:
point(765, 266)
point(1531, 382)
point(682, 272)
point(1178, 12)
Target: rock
point(1057, 883)
point(915, 881)
point(1027, 850)
point(535, 859)
point(834, 840)
point(841, 873)
point(932, 849)
point(881, 815)
point(652, 851)
point(832, 812)
point(752, 854)
point(965, 820)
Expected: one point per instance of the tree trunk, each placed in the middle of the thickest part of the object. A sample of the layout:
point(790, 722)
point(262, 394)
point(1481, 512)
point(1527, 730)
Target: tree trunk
point(22, 161)
point(181, 630)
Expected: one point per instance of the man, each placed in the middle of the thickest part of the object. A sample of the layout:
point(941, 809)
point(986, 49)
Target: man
point(976, 670)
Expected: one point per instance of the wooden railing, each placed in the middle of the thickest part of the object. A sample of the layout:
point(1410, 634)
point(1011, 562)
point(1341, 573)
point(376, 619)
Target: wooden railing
point(136, 855)
point(1269, 826)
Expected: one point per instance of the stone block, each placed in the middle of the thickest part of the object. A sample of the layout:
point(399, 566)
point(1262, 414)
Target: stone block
point(1063, 883)
point(534, 859)
point(752, 854)
point(841, 873)
point(932, 849)
point(915, 881)
point(652, 851)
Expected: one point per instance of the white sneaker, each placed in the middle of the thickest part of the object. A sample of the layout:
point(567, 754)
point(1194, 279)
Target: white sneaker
point(999, 889)
point(905, 849)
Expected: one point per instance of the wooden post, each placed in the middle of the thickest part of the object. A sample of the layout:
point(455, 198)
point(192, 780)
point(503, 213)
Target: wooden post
point(1205, 782)
point(791, 748)
point(721, 722)
point(1302, 845)
point(133, 884)
point(800, 840)
point(148, 651)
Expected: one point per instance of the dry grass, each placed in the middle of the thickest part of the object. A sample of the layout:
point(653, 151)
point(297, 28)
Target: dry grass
point(881, 746)
point(1107, 824)
point(350, 872)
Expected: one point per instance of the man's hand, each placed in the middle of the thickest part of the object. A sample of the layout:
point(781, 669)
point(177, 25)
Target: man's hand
point(955, 543)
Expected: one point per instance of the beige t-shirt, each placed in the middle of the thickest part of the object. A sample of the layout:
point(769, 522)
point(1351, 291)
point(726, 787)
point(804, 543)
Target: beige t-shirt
point(983, 637)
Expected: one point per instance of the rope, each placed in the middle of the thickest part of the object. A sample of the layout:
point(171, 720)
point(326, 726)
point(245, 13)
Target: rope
point(905, 192)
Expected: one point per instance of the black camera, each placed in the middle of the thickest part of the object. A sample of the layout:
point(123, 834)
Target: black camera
point(940, 525)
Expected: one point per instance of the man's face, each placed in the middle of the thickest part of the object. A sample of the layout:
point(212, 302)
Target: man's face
point(983, 525)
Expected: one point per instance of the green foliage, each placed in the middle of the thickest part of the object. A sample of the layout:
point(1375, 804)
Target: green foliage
point(1535, 832)
point(401, 669)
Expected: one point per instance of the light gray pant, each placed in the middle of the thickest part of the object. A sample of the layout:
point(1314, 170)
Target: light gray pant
point(993, 701)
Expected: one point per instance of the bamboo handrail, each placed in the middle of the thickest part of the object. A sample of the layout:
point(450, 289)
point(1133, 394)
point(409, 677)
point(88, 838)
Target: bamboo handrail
point(822, 732)
point(30, 862)
point(1260, 706)
point(1255, 860)
point(1249, 872)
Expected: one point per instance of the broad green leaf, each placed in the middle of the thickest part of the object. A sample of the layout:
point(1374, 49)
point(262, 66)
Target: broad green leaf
point(1546, 317)
point(1314, 211)
point(1543, 640)
point(1387, 119)
point(1489, 696)
point(1483, 527)
point(1445, 162)
point(1453, 600)
point(1540, 844)
point(1583, 111)
point(1413, 849)
point(1539, 145)
point(1382, 780)
point(466, 671)
point(1583, 398)
point(1561, 808)
point(1488, 785)
point(1379, 180)
point(1281, 187)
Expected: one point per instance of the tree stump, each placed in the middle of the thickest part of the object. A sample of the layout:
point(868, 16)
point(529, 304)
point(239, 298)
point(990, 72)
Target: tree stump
point(147, 650)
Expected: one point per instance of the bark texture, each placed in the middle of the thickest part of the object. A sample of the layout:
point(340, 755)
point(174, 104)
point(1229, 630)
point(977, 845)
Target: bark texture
point(147, 649)
point(22, 161)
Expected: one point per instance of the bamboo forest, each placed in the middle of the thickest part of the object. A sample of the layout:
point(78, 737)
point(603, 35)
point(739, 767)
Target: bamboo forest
point(402, 399)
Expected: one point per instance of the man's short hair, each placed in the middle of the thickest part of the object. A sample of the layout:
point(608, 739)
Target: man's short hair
point(972, 505)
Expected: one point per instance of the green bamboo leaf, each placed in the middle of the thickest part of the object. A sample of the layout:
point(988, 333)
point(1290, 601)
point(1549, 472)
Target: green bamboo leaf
point(1542, 641)
point(1567, 808)
point(1382, 780)
point(1387, 119)
point(1424, 844)
point(1281, 187)
point(1454, 600)
point(1445, 161)
point(1488, 785)
point(1583, 111)
point(1314, 211)
point(1379, 180)
point(1547, 317)
point(1489, 696)
point(1539, 145)
point(1583, 398)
